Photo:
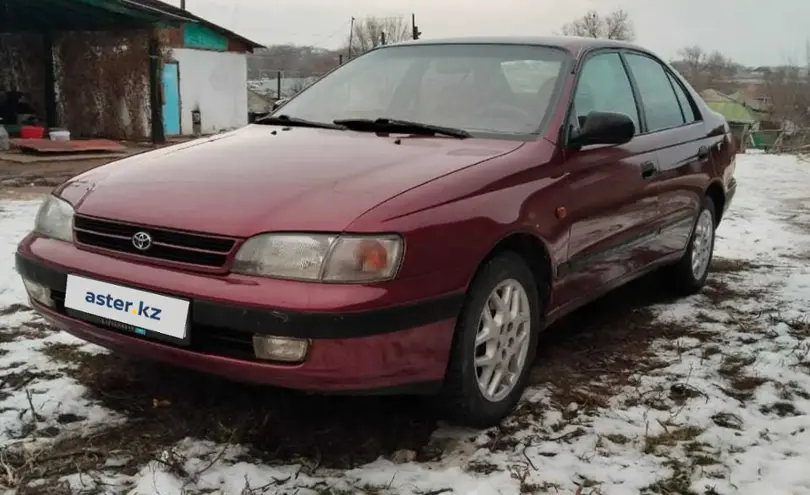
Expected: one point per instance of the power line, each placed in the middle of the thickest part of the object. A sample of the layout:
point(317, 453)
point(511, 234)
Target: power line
point(335, 33)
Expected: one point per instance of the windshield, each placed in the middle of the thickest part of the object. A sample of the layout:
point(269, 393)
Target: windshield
point(490, 89)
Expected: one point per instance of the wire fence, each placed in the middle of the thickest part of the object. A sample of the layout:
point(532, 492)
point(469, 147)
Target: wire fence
point(795, 140)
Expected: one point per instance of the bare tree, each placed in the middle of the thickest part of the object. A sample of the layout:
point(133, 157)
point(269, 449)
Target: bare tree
point(787, 90)
point(619, 26)
point(692, 64)
point(371, 32)
point(616, 25)
point(721, 68)
point(292, 60)
point(706, 70)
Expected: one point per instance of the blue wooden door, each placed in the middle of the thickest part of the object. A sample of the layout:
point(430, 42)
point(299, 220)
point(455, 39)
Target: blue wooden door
point(171, 99)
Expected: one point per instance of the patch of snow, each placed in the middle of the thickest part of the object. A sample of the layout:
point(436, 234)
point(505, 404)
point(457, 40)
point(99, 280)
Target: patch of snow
point(45, 389)
point(17, 219)
point(718, 438)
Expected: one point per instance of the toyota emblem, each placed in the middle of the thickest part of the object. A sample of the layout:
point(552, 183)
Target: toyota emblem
point(142, 241)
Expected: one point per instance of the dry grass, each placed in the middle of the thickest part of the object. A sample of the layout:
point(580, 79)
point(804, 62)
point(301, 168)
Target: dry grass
point(720, 290)
point(165, 405)
point(31, 330)
point(671, 438)
point(584, 359)
point(725, 265)
point(14, 308)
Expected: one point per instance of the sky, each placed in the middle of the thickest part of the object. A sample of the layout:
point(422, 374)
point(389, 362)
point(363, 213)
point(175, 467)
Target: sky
point(762, 32)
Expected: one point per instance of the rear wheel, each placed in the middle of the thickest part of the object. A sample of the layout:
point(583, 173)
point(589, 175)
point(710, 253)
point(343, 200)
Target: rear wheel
point(688, 275)
point(494, 345)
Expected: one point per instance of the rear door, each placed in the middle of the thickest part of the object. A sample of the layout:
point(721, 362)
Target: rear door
point(674, 127)
point(611, 207)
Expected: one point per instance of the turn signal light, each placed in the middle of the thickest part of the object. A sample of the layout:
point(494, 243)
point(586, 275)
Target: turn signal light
point(371, 257)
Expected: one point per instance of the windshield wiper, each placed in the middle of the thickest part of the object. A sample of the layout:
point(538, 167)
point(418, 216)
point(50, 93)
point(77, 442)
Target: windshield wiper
point(403, 126)
point(296, 122)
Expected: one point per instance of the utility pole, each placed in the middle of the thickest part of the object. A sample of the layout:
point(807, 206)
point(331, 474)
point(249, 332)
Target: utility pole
point(414, 30)
point(182, 4)
point(351, 38)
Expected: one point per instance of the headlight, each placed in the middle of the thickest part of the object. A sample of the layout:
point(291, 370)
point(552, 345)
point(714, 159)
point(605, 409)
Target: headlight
point(55, 219)
point(327, 257)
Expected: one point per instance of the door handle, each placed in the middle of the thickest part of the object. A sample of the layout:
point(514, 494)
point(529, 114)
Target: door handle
point(703, 152)
point(648, 170)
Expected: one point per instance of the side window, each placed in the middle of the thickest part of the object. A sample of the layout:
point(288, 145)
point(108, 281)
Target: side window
point(686, 106)
point(661, 106)
point(604, 87)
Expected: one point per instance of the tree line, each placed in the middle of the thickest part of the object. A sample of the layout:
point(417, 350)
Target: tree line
point(786, 89)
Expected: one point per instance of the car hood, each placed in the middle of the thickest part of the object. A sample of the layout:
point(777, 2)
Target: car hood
point(267, 178)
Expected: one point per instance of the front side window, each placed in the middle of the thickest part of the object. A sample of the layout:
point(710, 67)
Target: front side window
point(604, 87)
point(661, 107)
point(489, 89)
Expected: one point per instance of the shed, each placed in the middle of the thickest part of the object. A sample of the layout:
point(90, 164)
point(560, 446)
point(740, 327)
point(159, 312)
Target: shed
point(123, 69)
point(204, 76)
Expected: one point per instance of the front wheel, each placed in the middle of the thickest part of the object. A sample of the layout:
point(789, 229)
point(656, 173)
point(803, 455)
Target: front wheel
point(688, 275)
point(495, 344)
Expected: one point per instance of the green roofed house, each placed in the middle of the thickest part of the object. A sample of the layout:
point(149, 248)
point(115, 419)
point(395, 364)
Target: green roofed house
point(740, 117)
point(734, 111)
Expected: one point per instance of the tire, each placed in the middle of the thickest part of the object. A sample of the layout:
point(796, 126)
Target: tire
point(462, 400)
point(686, 277)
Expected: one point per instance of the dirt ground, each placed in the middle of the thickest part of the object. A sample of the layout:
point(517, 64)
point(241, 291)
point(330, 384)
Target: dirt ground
point(165, 405)
point(40, 177)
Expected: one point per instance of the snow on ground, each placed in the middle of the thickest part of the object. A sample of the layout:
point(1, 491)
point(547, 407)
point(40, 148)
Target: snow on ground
point(639, 394)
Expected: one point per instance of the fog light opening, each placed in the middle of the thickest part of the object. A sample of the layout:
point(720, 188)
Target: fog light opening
point(284, 349)
point(39, 293)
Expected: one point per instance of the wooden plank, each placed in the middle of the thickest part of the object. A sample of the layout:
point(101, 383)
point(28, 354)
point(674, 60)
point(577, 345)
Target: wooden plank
point(80, 146)
point(203, 37)
point(29, 158)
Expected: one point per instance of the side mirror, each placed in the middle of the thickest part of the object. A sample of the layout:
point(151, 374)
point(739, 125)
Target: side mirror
point(604, 128)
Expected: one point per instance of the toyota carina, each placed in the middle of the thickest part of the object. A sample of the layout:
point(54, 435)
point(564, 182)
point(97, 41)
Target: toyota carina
point(408, 224)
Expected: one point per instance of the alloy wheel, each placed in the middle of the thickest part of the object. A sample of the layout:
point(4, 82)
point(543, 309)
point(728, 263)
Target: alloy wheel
point(502, 341)
point(702, 243)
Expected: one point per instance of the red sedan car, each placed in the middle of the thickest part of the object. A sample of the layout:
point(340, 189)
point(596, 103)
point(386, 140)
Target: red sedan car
point(407, 224)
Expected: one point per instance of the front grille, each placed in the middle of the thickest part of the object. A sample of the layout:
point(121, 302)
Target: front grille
point(178, 247)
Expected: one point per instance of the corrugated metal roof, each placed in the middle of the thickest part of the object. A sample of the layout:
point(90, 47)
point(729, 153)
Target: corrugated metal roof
point(90, 15)
point(73, 15)
point(714, 95)
point(171, 10)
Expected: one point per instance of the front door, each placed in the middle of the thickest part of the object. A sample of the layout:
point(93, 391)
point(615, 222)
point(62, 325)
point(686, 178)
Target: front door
point(612, 206)
point(171, 99)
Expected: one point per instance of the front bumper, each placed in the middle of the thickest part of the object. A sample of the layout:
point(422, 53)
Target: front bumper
point(401, 348)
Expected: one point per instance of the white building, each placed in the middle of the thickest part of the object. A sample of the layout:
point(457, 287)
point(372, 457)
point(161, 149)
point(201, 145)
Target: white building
point(206, 77)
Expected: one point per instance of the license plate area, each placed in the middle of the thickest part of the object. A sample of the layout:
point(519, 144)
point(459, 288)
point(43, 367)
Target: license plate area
point(128, 310)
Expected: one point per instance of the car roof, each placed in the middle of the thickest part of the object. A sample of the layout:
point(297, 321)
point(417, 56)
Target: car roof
point(573, 44)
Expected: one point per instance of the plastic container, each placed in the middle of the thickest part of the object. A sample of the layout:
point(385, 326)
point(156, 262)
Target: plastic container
point(59, 135)
point(32, 132)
